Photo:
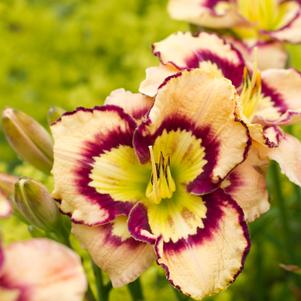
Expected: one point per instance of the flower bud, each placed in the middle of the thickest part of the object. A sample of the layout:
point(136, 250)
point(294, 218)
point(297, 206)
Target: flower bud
point(54, 114)
point(28, 138)
point(35, 205)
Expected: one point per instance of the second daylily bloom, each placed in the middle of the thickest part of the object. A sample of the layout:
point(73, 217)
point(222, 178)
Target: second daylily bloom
point(262, 24)
point(257, 19)
point(40, 270)
point(128, 185)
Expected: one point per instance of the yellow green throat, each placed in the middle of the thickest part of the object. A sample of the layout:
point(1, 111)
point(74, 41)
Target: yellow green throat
point(264, 14)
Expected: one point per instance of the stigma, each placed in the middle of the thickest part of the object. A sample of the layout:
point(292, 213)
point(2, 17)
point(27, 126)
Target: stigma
point(161, 185)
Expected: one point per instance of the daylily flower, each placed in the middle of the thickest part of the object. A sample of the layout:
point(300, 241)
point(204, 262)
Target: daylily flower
point(269, 99)
point(128, 185)
point(40, 270)
point(7, 183)
point(259, 19)
point(264, 24)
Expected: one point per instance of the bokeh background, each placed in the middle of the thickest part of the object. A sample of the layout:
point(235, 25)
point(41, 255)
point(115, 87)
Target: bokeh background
point(72, 53)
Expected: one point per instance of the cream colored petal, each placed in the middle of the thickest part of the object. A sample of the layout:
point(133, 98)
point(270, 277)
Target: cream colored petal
point(286, 83)
point(79, 138)
point(288, 156)
point(247, 185)
point(282, 90)
point(209, 261)
point(155, 76)
point(134, 104)
point(114, 251)
point(184, 50)
point(290, 32)
point(198, 12)
point(270, 55)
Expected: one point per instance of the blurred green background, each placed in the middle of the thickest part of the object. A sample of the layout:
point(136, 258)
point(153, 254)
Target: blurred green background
point(73, 53)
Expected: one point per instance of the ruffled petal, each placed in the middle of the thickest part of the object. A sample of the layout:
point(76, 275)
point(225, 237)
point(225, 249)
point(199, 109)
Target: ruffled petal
point(208, 261)
point(282, 89)
point(288, 156)
point(81, 139)
point(155, 76)
point(215, 14)
point(246, 184)
point(186, 51)
point(41, 270)
point(270, 54)
point(202, 103)
point(290, 32)
point(134, 104)
point(114, 250)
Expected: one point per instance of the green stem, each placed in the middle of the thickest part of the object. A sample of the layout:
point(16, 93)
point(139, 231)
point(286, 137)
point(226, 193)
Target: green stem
point(259, 289)
point(103, 290)
point(135, 290)
point(89, 294)
point(279, 198)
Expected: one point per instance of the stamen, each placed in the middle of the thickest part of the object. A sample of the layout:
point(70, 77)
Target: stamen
point(251, 92)
point(161, 185)
point(154, 167)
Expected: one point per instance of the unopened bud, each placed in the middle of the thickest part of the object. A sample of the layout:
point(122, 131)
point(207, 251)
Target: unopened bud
point(54, 114)
point(28, 138)
point(35, 205)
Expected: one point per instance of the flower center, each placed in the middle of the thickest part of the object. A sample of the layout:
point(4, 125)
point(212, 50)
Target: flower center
point(250, 96)
point(161, 185)
point(265, 14)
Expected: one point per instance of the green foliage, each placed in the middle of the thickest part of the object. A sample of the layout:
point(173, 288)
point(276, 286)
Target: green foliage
point(73, 53)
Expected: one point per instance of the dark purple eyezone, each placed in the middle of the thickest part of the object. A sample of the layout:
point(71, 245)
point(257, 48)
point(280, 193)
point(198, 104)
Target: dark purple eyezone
point(94, 148)
point(275, 97)
point(279, 135)
point(210, 3)
point(116, 241)
point(232, 71)
point(235, 182)
point(138, 224)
